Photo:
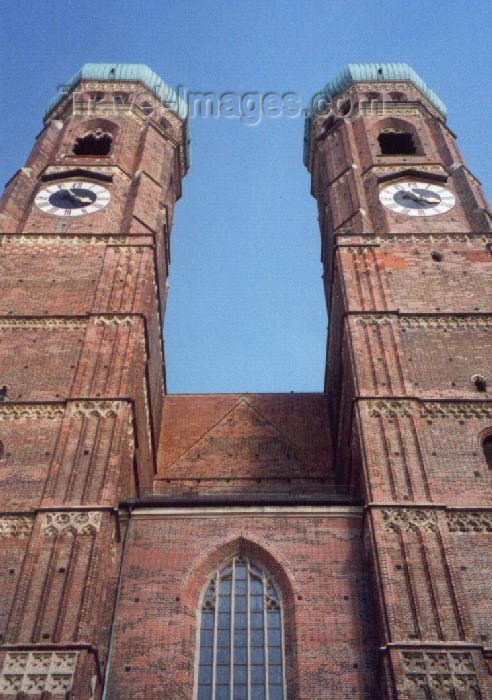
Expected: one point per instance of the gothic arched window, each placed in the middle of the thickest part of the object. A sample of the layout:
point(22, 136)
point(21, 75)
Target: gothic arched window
point(94, 143)
point(395, 142)
point(487, 450)
point(241, 636)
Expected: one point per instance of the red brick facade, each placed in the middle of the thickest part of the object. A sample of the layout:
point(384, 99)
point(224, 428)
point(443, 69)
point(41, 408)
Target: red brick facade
point(368, 506)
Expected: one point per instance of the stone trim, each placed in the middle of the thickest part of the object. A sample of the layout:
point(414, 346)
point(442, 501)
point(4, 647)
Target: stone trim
point(80, 408)
point(469, 521)
point(71, 523)
point(428, 409)
point(67, 239)
point(439, 671)
point(410, 520)
point(15, 525)
point(99, 409)
point(396, 168)
point(425, 320)
point(36, 672)
point(42, 323)
point(64, 322)
point(415, 239)
point(446, 321)
point(247, 511)
point(31, 411)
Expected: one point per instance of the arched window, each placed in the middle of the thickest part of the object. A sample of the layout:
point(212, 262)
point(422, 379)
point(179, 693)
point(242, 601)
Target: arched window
point(94, 143)
point(394, 142)
point(487, 450)
point(241, 636)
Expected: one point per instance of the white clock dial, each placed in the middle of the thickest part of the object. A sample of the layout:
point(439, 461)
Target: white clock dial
point(417, 198)
point(72, 198)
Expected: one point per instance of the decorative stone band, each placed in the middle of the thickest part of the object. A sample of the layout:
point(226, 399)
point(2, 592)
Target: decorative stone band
point(66, 323)
point(471, 239)
point(426, 321)
point(439, 670)
point(83, 408)
point(381, 320)
point(71, 523)
point(22, 324)
point(469, 521)
point(392, 408)
point(470, 321)
point(390, 169)
point(16, 525)
point(67, 239)
point(31, 411)
point(36, 672)
point(99, 409)
point(410, 519)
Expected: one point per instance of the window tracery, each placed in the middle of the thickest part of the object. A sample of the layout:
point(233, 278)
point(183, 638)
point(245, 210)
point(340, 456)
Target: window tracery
point(241, 636)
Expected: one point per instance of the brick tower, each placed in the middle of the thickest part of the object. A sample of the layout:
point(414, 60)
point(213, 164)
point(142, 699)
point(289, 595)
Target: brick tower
point(406, 239)
point(84, 251)
point(327, 546)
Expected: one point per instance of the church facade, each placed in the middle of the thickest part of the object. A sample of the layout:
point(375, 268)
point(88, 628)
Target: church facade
point(326, 546)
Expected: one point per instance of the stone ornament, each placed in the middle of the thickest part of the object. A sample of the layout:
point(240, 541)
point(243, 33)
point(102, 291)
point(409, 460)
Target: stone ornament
point(65, 323)
point(42, 323)
point(475, 409)
point(391, 408)
point(410, 520)
point(470, 321)
point(372, 320)
point(98, 409)
point(72, 523)
point(36, 672)
point(114, 321)
point(469, 521)
point(15, 526)
point(62, 238)
point(31, 411)
point(439, 671)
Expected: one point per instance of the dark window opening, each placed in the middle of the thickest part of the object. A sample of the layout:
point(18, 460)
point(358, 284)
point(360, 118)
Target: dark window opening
point(480, 383)
point(95, 143)
point(435, 255)
point(2, 450)
point(398, 96)
point(394, 143)
point(3, 392)
point(487, 450)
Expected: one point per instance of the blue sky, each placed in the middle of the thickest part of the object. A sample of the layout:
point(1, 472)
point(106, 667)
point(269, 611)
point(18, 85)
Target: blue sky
point(246, 309)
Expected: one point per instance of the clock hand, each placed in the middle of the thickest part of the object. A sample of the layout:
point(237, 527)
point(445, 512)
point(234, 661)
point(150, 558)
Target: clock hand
point(420, 197)
point(76, 198)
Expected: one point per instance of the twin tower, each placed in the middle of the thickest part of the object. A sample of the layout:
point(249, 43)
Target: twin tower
point(327, 546)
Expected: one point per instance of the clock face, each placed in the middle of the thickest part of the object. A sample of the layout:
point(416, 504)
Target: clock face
point(72, 198)
point(417, 198)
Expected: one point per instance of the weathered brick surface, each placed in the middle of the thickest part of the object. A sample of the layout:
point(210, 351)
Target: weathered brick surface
point(316, 564)
point(247, 444)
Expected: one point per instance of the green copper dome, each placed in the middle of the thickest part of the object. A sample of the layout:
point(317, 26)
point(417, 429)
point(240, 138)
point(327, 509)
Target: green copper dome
point(356, 72)
point(135, 72)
